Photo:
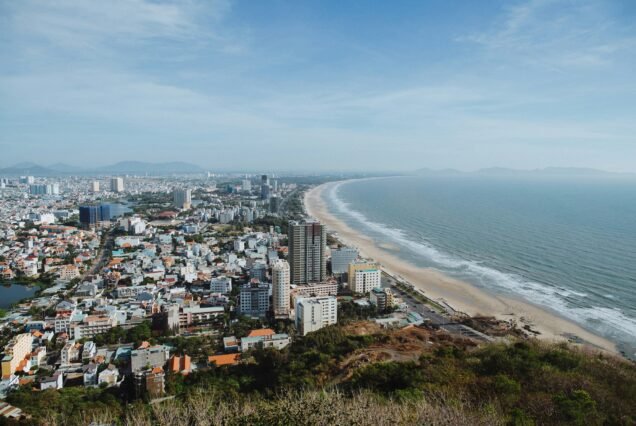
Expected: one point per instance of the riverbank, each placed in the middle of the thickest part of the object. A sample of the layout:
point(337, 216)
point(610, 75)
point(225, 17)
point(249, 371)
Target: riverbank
point(461, 295)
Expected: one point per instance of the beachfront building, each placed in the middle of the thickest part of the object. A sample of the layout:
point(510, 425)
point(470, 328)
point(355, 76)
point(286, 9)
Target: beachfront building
point(314, 313)
point(364, 276)
point(341, 258)
point(307, 247)
point(280, 289)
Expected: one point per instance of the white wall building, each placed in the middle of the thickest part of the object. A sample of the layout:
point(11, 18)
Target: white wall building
point(314, 313)
point(366, 280)
point(280, 288)
point(117, 184)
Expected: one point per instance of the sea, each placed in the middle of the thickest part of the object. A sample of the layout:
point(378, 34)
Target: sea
point(566, 245)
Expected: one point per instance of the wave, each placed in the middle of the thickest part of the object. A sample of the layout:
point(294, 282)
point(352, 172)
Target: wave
point(607, 321)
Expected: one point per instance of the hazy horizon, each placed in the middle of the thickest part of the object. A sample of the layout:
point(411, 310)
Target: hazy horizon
point(398, 86)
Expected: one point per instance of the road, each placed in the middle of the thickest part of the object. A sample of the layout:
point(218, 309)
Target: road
point(103, 255)
point(430, 316)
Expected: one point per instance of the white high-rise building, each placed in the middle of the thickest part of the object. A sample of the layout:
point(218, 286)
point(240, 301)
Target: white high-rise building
point(366, 280)
point(280, 288)
point(314, 313)
point(246, 185)
point(95, 186)
point(117, 184)
point(182, 198)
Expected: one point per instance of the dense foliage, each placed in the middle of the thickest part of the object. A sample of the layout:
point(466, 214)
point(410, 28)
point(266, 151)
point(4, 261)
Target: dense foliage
point(522, 383)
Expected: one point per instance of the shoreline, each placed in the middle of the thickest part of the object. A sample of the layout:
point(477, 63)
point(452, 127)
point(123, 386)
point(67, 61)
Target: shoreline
point(460, 295)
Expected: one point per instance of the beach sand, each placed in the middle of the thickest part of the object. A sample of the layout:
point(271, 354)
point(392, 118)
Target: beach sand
point(460, 295)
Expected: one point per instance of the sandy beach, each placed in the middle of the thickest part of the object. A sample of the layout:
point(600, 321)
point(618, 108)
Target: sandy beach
point(460, 295)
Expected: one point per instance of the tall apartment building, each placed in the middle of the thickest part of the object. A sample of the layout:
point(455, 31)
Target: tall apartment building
point(314, 313)
point(341, 258)
point(117, 184)
point(95, 186)
point(15, 351)
point(307, 247)
point(182, 198)
point(93, 215)
point(280, 288)
point(364, 276)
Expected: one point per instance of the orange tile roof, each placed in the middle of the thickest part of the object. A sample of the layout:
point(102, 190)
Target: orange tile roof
point(261, 332)
point(227, 359)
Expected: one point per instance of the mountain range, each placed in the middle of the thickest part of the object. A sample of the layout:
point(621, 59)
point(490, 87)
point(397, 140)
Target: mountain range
point(122, 167)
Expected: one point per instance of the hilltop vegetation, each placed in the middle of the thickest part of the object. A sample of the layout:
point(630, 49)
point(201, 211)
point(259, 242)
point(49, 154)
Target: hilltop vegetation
point(340, 375)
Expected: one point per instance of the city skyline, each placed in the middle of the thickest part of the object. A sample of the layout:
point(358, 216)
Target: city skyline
point(383, 87)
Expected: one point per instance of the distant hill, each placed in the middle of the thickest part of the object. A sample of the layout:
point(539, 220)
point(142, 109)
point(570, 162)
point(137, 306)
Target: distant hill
point(24, 169)
point(66, 168)
point(544, 172)
point(123, 167)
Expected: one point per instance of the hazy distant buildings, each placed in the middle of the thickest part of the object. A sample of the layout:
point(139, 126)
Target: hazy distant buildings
point(341, 258)
point(117, 184)
point(246, 185)
point(280, 288)
point(182, 198)
point(314, 313)
point(307, 247)
point(41, 189)
point(265, 188)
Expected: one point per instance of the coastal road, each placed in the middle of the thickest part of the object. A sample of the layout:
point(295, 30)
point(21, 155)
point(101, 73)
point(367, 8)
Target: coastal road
point(425, 311)
point(431, 317)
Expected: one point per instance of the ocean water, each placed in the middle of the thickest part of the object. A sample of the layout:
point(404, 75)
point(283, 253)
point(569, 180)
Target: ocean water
point(566, 245)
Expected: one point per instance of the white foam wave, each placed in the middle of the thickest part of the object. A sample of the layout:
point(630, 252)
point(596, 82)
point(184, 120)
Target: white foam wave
point(604, 320)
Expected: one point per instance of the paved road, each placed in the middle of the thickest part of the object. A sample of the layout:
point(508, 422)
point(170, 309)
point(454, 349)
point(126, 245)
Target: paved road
point(103, 256)
point(415, 305)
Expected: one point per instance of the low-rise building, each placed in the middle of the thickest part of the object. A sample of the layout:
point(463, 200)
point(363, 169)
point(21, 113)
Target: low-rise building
point(264, 338)
point(154, 356)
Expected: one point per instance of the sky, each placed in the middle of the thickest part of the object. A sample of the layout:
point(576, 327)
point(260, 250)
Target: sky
point(320, 86)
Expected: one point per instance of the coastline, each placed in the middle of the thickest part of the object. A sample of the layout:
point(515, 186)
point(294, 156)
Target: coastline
point(461, 295)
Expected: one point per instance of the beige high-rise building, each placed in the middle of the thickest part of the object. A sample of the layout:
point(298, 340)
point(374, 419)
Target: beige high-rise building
point(95, 186)
point(364, 276)
point(117, 184)
point(281, 289)
point(16, 350)
point(307, 251)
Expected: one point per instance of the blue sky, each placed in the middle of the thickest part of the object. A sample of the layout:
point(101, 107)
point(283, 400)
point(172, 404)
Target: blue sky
point(355, 85)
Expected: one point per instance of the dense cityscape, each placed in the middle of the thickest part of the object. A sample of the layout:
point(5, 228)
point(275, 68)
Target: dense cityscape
point(125, 271)
point(140, 289)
